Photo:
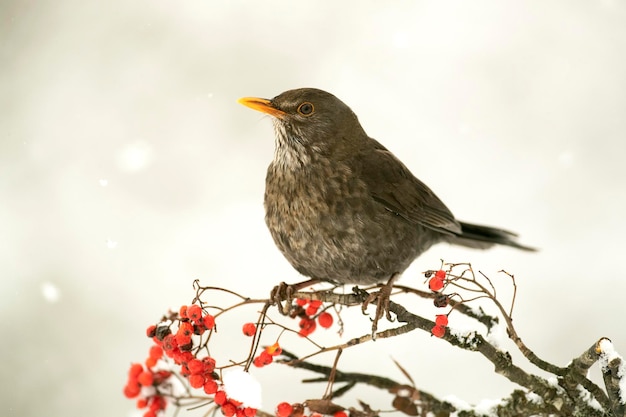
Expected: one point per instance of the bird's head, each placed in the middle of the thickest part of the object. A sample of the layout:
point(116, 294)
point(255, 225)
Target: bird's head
point(311, 120)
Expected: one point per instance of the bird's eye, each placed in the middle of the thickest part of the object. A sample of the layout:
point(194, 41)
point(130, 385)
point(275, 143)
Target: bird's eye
point(306, 109)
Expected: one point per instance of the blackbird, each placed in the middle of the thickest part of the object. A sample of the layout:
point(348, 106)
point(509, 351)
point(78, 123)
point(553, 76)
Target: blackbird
point(340, 206)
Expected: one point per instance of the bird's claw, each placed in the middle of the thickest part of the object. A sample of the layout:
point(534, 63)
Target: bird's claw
point(381, 297)
point(282, 296)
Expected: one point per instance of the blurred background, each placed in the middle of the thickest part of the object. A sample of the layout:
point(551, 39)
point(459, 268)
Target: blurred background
point(127, 170)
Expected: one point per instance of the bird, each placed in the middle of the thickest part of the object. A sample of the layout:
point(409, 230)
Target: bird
point(340, 206)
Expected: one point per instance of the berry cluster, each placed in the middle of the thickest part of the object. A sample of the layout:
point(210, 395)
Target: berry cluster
point(178, 345)
point(231, 407)
point(307, 311)
point(143, 377)
point(436, 284)
point(267, 355)
point(441, 322)
point(174, 339)
point(285, 409)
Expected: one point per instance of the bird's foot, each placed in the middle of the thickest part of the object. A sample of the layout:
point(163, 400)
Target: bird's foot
point(282, 295)
point(381, 298)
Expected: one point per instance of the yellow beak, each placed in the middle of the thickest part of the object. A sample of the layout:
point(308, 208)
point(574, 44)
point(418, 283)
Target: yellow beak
point(262, 105)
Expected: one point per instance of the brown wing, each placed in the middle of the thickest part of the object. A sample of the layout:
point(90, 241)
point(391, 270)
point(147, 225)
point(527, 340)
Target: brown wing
point(392, 185)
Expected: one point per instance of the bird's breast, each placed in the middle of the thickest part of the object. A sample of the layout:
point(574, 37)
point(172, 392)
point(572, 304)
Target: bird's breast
point(316, 213)
point(323, 194)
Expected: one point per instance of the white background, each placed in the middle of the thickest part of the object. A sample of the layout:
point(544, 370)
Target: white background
point(127, 169)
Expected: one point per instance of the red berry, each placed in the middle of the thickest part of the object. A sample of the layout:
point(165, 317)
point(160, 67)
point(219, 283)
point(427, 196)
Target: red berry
point(325, 320)
point(438, 331)
point(208, 364)
point(142, 403)
point(131, 390)
point(183, 312)
point(307, 326)
point(249, 412)
point(135, 370)
point(198, 328)
point(283, 409)
point(184, 333)
point(441, 274)
point(229, 409)
point(340, 414)
point(266, 358)
point(175, 354)
point(311, 310)
point(185, 357)
point(441, 320)
point(210, 386)
point(151, 331)
point(150, 413)
point(220, 398)
point(185, 329)
point(435, 284)
point(169, 344)
point(145, 378)
point(183, 341)
point(158, 403)
point(258, 362)
point(196, 381)
point(194, 312)
point(208, 321)
point(195, 366)
point(249, 329)
point(156, 352)
point(315, 303)
point(301, 302)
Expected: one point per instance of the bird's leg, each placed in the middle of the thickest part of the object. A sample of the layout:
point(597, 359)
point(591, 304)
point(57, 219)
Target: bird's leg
point(284, 293)
point(382, 303)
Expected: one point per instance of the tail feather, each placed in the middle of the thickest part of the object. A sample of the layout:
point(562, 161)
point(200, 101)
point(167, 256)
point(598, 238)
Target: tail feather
point(483, 237)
